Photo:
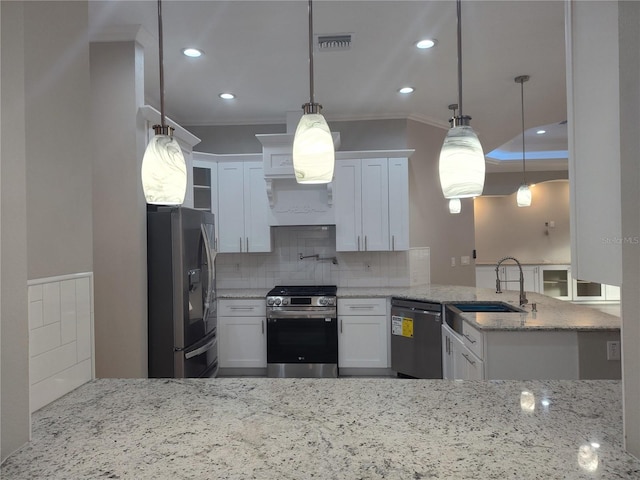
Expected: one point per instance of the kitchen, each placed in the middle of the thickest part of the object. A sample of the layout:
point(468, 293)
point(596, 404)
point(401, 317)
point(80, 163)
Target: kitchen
point(79, 239)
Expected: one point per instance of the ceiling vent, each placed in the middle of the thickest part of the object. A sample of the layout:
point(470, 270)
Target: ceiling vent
point(333, 43)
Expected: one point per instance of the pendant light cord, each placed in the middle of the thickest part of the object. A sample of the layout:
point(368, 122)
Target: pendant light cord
point(311, 99)
point(160, 58)
point(524, 178)
point(459, 12)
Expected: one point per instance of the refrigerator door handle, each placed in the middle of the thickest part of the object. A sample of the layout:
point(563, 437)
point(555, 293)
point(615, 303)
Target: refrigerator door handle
point(201, 350)
point(210, 278)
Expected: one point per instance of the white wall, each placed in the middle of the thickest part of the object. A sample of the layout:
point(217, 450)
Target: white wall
point(119, 210)
point(14, 415)
point(502, 228)
point(629, 24)
point(46, 182)
point(431, 224)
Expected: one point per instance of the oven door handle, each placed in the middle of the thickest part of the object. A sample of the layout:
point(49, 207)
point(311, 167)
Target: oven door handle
point(300, 314)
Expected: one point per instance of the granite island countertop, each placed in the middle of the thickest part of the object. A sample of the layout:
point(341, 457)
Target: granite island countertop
point(280, 429)
point(551, 314)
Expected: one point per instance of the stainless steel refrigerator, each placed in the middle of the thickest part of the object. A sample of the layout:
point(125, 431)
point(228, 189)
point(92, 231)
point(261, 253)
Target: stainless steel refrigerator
point(182, 322)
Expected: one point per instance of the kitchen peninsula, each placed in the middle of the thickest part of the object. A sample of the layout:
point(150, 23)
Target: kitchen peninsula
point(346, 428)
point(560, 340)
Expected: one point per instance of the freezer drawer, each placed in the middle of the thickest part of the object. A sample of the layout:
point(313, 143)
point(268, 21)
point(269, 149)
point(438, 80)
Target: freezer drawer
point(416, 342)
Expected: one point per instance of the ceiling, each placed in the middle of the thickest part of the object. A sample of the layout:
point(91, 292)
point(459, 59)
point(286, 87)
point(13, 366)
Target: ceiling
point(259, 51)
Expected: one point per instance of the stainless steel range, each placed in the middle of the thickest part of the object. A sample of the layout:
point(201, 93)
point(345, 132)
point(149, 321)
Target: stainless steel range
point(302, 331)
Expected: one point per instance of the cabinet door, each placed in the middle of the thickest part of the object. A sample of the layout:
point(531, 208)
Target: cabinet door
point(348, 205)
point(555, 281)
point(584, 291)
point(486, 276)
point(530, 274)
point(472, 366)
point(362, 341)
point(375, 204)
point(447, 354)
point(399, 203)
point(205, 190)
point(466, 366)
point(256, 209)
point(242, 342)
point(231, 236)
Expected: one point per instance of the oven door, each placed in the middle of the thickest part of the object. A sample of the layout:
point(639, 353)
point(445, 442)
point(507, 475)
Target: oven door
point(302, 338)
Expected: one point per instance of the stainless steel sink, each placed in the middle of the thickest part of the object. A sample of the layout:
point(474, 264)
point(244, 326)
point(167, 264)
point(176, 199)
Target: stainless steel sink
point(489, 307)
point(454, 311)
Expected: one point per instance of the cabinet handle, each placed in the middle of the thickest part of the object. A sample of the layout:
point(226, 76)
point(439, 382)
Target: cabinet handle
point(246, 245)
point(393, 243)
point(468, 359)
point(469, 337)
point(241, 308)
point(446, 345)
point(240, 244)
point(358, 242)
point(215, 244)
point(262, 323)
point(361, 307)
point(340, 325)
point(365, 243)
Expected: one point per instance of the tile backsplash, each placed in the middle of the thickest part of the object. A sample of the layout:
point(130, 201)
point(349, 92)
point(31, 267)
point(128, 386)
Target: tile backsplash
point(283, 265)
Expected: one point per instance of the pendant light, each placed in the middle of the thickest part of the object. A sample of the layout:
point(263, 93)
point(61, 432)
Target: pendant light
point(313, 150)
point(461, 165)
point(455, 206)
point(523, 197)
point(164, 171)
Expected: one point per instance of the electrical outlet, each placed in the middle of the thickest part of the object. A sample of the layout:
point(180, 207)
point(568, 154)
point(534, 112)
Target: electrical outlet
point(465, 260)
point(613, 350)
point(453, 261)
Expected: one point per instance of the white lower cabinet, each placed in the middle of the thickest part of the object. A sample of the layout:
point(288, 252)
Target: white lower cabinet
point(512, 355)
point(459, 362)
point(242, 335)
point(363, 337)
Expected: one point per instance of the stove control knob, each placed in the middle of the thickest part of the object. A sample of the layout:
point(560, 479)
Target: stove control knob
point(332, 301)
point(285, 301)
point(278, 301)
point(322, 301)
point(269, 301)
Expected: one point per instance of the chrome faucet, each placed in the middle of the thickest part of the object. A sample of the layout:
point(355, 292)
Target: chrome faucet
point(523, 297)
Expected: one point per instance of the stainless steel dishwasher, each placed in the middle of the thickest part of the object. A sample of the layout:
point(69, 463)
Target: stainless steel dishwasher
point(416, 338)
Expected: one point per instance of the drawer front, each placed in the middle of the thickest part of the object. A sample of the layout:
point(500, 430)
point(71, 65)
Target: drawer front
point(242, 308)
point(362, 306)
point(473, 339)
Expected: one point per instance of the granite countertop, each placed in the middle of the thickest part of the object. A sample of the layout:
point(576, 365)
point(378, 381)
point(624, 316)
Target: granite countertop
point(551, 314)
point(349, 428)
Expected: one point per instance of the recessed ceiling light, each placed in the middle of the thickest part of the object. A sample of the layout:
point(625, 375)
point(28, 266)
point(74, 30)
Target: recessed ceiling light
point(541, 132)
point(192, 52)
point(227, 96)
point(426, 43)
point(406, 90)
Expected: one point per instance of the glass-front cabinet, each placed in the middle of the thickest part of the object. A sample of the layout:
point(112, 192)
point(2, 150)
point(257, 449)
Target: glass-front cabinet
point(202, 193)
point(584, 291)
point(556, 281)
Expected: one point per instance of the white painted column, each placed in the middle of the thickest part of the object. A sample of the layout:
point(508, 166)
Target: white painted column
point(603, 83)
point(629, 35)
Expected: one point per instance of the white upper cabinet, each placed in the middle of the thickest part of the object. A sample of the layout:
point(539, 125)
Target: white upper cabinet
point(347, 185)
point(242, 217)
point(375, 205)
point(233, 189)
point(399, 203)
point(371, 204)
